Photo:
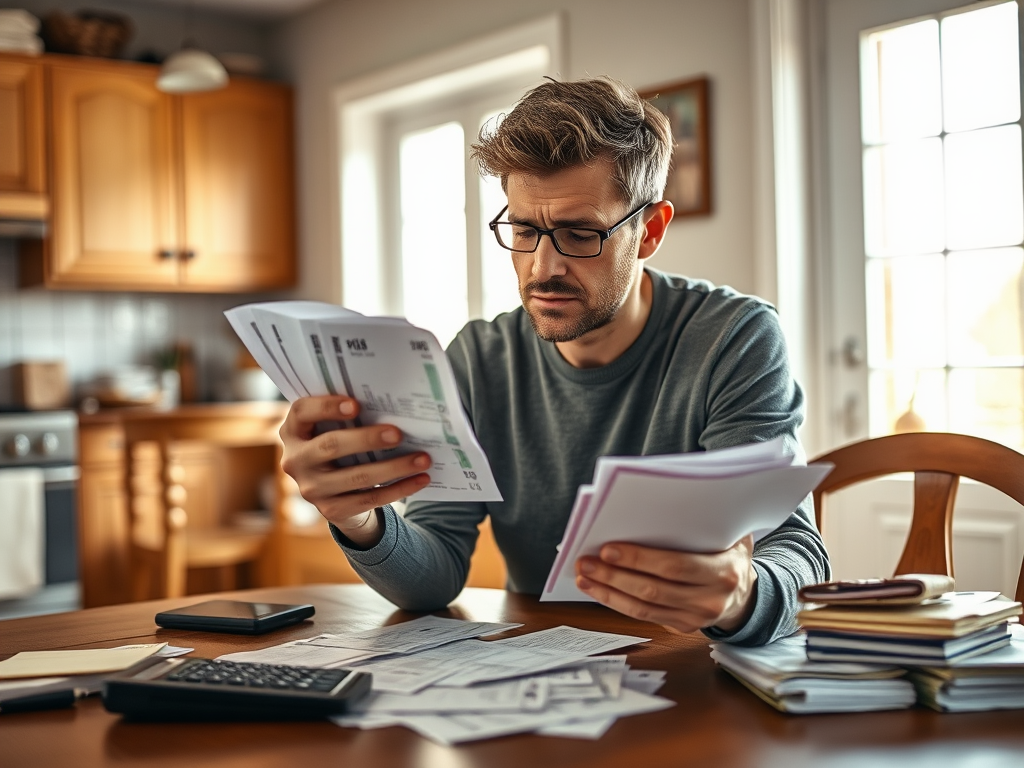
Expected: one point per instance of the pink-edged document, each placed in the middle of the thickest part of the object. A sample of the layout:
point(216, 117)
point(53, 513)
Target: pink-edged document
point(692, 502)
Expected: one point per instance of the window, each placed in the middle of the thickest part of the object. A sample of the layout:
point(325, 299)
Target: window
point(412, 209)
point(444, 256)
point(944, 224)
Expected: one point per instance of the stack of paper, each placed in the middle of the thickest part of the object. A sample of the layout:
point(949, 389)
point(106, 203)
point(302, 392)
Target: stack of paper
point(694, 502)
point(397, 372)
point(936, 632)
point(434, 676)
point(81, 672)
point(780, 674)
point(992, 681)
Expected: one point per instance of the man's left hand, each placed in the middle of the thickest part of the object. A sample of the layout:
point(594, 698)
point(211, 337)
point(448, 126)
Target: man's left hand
point(683, 591)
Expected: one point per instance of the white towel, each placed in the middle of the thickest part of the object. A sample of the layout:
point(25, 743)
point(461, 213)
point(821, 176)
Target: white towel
point(22, 532)
point(16, 21)
point(29, 44)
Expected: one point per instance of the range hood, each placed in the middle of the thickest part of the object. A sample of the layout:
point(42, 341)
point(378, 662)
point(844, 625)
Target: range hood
point(23, 215)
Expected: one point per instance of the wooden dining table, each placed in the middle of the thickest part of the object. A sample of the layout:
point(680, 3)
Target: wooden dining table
point(715, 722)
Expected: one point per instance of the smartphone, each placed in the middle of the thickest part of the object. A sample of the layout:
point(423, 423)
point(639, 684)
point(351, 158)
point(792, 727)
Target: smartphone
point(234, 616)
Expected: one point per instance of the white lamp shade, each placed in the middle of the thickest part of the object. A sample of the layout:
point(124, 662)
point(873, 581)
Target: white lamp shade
point(191, 70)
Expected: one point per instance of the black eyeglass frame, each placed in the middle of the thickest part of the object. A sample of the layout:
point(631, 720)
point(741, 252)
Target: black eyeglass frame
point(604, 234)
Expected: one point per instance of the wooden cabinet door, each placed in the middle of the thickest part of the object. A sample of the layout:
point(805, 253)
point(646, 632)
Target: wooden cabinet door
point(238, 187)
point(22, 154)
point(114, 189)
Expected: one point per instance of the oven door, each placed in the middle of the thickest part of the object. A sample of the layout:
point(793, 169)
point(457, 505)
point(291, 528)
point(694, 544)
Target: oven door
point(60, 485)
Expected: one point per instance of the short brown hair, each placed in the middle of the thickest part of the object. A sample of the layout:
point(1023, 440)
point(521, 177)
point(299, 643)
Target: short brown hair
point(559, 125)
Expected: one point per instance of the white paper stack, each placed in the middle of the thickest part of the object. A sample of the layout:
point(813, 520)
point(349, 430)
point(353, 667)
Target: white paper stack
point(398, 373)
point(692, 502)
point(18, 32)
point(434, 676)
point(781, 675)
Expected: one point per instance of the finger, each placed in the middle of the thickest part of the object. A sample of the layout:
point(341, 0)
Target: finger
point(652, 590)
point(686, 567)
point(339, 443)
point(365, 476)
point(340, 508)
point(306, 412)
point(679, 619)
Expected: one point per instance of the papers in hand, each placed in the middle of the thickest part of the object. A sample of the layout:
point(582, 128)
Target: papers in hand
point(397, 372)
point(693, 502)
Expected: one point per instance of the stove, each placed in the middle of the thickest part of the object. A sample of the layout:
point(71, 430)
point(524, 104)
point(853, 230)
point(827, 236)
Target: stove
point(48, 440)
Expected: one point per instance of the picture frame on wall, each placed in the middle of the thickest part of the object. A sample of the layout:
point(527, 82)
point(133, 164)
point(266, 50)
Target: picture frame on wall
point(685, 103)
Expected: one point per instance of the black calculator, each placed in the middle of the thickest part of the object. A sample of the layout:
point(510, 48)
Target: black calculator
point(194, 689)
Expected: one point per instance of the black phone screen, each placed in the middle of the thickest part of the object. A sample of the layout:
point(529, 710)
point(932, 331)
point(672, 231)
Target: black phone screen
point(234, 616)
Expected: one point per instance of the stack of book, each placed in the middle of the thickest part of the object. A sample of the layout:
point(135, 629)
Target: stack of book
point(937, 632)
point(992, 681)
point(781, 675)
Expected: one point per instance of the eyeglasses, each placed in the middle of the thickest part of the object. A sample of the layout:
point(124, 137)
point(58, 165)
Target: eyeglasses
point(575, 242)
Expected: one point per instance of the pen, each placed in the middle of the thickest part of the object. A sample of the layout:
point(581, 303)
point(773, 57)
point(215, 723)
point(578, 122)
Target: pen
point(37, 701)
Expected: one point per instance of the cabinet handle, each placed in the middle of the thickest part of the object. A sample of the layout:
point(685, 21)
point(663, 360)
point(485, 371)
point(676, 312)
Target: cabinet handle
point(166, 253)
point(188, 254)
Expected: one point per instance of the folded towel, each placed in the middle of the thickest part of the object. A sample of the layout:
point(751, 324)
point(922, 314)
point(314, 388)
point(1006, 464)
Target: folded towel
point(22, 526)
point(15, 20)
point(29, 44)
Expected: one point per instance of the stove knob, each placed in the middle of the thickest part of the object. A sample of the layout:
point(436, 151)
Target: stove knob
point(48, 444)
point(18, 446)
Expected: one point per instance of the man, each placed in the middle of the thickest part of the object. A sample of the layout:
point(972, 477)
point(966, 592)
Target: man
point(604, 357)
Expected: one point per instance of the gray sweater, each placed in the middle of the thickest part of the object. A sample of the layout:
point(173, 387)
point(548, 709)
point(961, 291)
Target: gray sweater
point(709, 370)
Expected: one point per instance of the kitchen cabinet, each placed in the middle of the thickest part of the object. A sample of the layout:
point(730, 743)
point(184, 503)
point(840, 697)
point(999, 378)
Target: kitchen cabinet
point(165, 193)
point(22, 151)
point(102, 516)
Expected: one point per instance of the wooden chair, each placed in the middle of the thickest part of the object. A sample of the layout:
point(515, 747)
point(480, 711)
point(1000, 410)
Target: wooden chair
point(938, 461)
point(185, 479)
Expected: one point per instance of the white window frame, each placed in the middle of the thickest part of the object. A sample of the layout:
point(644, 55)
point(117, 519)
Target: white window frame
point(517, 58)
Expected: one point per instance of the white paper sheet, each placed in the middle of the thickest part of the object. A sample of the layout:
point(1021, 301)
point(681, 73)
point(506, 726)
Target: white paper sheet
point(411, 636)
point(297, 654)
point(399, 374)
point(573, 640)
point(522, 695)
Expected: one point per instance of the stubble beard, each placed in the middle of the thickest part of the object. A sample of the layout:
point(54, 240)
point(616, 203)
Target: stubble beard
point(558, 325)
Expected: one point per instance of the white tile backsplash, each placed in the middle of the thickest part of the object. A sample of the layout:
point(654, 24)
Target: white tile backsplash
point(94, 332)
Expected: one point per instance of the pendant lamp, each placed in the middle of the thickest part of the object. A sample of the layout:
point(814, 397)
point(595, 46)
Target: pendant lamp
point(191, 70)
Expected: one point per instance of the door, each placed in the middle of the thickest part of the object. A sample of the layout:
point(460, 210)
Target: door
point(921, 103)
point(22, 158)
point(238, 187)
point(114, 194)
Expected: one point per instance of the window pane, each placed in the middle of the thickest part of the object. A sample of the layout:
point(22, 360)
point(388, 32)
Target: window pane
point(901, 84)
point(433, 204)
point(980, 68)
point(988, 403)
point(986, 325)
point(906, 312)
point(894, 393)
point(984, 196)
point(903, 200)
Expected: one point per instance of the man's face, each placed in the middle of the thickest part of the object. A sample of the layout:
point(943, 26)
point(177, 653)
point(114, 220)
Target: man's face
point(564, 297)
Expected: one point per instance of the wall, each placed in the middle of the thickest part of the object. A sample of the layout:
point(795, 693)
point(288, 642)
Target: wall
point(643, 42)
point(161, 29)
point(93, 332)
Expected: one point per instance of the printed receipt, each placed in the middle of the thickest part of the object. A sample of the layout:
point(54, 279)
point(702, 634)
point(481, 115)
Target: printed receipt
point(399, 374)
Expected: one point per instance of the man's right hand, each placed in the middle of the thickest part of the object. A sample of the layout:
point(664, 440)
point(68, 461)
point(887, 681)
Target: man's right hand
point(348, 496)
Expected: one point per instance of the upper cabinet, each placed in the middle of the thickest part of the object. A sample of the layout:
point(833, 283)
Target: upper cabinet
point(22, 151)
point(115, 212)
point(238, 181)
point(168, 193)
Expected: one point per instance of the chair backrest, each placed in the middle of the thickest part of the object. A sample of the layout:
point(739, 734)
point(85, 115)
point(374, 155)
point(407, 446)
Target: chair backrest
point(938, 461)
